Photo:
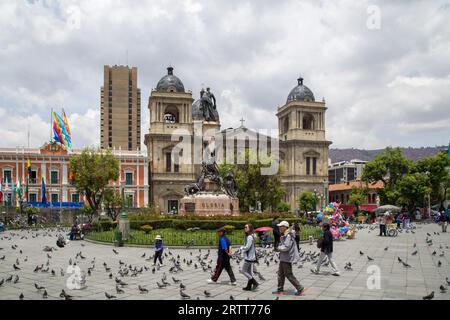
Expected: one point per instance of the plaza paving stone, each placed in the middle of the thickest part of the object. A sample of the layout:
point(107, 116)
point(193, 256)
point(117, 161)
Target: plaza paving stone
point(397, 281)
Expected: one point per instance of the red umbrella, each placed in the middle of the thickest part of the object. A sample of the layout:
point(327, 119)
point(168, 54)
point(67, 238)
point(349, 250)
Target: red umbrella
point(260, 229)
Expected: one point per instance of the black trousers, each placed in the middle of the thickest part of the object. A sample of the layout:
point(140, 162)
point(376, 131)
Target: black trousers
point(158, 255)
point(276, 238)
point(223, 264)
point(382, 229)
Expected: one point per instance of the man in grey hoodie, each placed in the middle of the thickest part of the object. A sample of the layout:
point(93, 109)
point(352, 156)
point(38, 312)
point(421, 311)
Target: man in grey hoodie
point(288, 255)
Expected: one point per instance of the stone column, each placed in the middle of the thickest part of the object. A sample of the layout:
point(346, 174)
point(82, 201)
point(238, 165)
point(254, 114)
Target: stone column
point(124, 226)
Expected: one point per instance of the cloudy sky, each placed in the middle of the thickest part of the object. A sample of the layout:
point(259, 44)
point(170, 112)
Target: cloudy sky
point(383, 67)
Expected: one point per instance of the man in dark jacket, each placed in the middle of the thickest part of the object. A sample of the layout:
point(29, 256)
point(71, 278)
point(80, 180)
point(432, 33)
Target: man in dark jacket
point(276, 233)
point(223, 258)
point(326, 250)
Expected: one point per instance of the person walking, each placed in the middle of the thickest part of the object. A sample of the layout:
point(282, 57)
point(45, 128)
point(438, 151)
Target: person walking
point(276, 232)
point(223, 258)
point(288, 255)
point(296, 228)
point(249, 249)
point(382, 222)
point(326, 250)
point(398, 220)
point(159, 249)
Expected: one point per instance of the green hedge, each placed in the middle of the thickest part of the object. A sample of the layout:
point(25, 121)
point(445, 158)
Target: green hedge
point(182, 224)
point(156, 224)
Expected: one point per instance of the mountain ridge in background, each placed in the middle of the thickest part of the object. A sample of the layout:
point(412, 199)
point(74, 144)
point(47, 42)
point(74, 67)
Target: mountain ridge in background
point(415, 154)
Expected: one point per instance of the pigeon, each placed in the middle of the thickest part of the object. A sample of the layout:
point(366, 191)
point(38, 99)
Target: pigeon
point(2, 281)
point(414, 253)
point(16, 267)
point(184, 295)
point(207, 293)
point(434, 253)
point(21, 296)
point(118, 281)
point(161, 286)
point(182, 286)
point(9, 278)
point(439, 263)
point(385, 249)
point(143, 256)
point(448, 281)
point(231, 297)
point(16, 279)
point(115, 251)
point(406, 265)
point(399, 259)
point(414, 245)
point(64, 295)
point(109, 296)
point(175, 280)
point(53, 272)
point(429, 297)
point(45, 294)
point(39, 287)
point(118, 290)
point(369, 258)
point(361, 253)
point(142, 289)
point(443, 289)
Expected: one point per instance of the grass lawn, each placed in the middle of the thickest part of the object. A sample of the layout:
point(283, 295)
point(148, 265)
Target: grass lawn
point(174, 237)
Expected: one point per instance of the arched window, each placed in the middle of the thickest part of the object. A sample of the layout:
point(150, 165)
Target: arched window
point(171, 114)
point(286, 124)
point(308, 122)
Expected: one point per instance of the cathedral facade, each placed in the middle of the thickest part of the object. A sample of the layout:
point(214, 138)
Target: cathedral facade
point(177, 120)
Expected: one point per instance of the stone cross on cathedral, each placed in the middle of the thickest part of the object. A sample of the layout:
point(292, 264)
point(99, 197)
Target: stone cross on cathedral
point(242, 122)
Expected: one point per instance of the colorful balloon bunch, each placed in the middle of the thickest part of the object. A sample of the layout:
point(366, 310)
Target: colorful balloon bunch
point(332, 214)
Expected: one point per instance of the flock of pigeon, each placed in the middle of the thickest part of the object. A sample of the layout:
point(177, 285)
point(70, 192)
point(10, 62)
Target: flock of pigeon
point(120, 274)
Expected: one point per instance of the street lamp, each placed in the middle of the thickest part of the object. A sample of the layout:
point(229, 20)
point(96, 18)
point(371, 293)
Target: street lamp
point(429, 196)
point(315, 200)
point(256, 200)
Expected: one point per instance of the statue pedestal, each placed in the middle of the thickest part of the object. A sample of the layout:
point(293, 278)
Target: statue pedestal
point(209, 204)
point(124, 226)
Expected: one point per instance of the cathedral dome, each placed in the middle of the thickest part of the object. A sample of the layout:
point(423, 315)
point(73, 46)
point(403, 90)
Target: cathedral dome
point(300, 93)
point(170, 82)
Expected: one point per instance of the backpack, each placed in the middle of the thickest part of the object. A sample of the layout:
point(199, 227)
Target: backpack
point(320, 243)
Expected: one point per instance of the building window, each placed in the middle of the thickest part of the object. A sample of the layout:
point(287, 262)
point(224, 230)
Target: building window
point(168, 162)
point(33, 176)
point(314, 161)
point(128, 178)
point(308, 122)
point(7, 176)
point(308, 169)
point(75, 197)
point(55, 197)
point(286, 125)
point(32, 197)
point(53, 177)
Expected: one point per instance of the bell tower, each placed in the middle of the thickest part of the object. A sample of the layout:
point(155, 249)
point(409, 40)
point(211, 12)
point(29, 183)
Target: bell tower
point(170, 109)
point(303, 146)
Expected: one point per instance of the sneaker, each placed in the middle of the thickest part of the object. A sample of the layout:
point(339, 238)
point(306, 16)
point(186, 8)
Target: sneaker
point(210, 281)
point(336, 274)
point(161, 265)
point(233, 283)
point(300, 292)
point(314, 271)
point(278, 291)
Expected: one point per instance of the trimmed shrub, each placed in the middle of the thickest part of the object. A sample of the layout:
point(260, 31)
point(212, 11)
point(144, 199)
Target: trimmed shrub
point(105, 225)
point(146, 228)
point(156, 224)
point(228, 228)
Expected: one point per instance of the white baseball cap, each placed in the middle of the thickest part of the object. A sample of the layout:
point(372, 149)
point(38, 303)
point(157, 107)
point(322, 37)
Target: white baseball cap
point(283, 224)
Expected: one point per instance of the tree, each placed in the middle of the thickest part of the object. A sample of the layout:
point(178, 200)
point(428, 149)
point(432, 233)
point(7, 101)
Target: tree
point(91, 172)
point(389, 167)
point(436, 169)
point(306, 202)
point(87, 210)
point(112, 201)
point(357, 197)
point(413, 188)
point(254, 186)
point(283, 206)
